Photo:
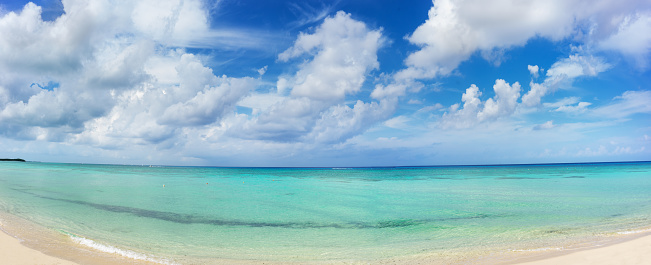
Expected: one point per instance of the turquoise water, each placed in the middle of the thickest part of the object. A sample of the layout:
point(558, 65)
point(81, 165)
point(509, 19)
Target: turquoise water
point(196, 215)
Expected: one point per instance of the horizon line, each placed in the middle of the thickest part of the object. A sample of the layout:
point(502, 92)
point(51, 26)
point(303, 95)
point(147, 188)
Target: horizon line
point(364, 167)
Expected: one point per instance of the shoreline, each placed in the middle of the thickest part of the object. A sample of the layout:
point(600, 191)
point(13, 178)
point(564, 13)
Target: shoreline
point(12, 251)
point(631, 249)
point(24, 243)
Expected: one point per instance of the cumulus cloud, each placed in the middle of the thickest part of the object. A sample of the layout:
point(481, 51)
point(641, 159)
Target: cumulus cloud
point(503, 104)
point(506, 100)
point(208, 105)
point(456, 29)
point(563, 72)
point(117, 76)
point(341, 52)
point(630, 39)
point(392, 90)
point(344, 50)
point(32, 44)
point(175, 22)
point(576, 66)
point(154, 113)
point(341, 122)
point(533, 69)
point(109, 75)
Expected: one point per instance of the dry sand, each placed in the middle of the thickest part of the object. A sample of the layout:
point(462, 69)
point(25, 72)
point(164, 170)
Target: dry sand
point(631, 252)
point(13, 252)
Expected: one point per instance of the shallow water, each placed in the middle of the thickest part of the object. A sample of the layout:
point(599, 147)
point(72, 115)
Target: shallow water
point(197, 214)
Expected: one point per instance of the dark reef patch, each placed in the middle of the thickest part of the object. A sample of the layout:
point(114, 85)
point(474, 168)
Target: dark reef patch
point(196, 219)
point(574, 177)
point(517, 178)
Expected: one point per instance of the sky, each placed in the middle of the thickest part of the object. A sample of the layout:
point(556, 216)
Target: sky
point(325, 83)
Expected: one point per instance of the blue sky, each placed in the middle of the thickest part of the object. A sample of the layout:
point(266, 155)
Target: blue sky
point(325, 83)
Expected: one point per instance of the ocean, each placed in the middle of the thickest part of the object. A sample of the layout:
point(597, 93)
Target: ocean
point(204, 215)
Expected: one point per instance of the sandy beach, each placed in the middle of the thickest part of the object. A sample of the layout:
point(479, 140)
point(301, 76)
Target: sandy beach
point(45, 247)
point(13, 252)
point(630, 252)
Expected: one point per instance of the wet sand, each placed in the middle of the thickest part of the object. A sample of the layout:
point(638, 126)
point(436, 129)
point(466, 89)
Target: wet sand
point(630, 249)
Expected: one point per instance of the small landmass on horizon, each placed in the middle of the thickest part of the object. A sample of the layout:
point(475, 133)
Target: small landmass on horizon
point(13, 159)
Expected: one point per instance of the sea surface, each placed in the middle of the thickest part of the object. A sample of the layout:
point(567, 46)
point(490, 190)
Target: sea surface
point(201, 215)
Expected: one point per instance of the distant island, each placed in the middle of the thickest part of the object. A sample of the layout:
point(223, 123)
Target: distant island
point(12, 159)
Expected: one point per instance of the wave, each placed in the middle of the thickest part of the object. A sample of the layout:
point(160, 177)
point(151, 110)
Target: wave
point(628, 232)
point(114, 250)
point(537, 249)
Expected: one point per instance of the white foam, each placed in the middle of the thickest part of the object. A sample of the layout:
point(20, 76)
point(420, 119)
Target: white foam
point(114, 250)
point(634, 231)
point(535, 249)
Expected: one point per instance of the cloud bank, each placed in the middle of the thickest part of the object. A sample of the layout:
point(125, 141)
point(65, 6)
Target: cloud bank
point(123, 80)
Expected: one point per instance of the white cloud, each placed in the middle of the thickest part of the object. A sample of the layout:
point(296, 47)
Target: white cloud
point(118, 82)
point(606, 151)
point(533, 69)
point(570, 105)
point(580, 107)
point(124, 85)
point(209, 105)
point(341, 122)
point(308, 14)
point(536, 92)
point(392, 90)
point(466, 116)
point(561, 103)
point(262, 70)
point(232, 39)
point(437, 106)
point(341, 52)
point(118, 65)
point(31, 44)
point(475, 111)
point(345, 50)
point(456, 29)
point(260, 101)
point(593, 152)
point(504, 102)
point(564, 72)
point(286, 121)
point(170, 21)
point(631, 39)
point(51, 109)
point(577, 66)
point(545, 126)
point(629, 103)
point(398, 122)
